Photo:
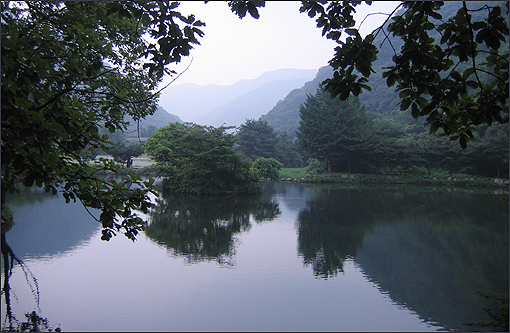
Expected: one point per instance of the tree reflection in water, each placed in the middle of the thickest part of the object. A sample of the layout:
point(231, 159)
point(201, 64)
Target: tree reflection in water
point(433, 252)
point(201, 228)
point(429, 251)
point(34, 322)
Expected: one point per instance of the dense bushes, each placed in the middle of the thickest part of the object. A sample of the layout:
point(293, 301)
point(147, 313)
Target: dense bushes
point(199, 159)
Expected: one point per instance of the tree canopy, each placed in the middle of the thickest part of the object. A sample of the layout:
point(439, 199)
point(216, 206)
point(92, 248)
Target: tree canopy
point(257, 139)
point(199, 159)
point(123, 153)
point(333, 130)
point(70, 68)
point(267, 167)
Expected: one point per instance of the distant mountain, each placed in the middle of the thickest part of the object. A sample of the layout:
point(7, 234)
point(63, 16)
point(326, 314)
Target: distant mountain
point(250, 105)
point(190, 101)
point(160, 118)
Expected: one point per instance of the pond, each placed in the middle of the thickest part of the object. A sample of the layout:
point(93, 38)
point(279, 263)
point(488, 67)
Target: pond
point(295, 258)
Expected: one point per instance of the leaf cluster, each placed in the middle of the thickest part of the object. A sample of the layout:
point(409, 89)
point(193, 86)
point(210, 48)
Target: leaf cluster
point(354, 54)
point(448, 81)
point(70, 69)
point(241, 7)
point(267, 168)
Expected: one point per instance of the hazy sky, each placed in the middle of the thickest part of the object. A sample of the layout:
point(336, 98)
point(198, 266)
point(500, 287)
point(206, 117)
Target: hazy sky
point(233, 49)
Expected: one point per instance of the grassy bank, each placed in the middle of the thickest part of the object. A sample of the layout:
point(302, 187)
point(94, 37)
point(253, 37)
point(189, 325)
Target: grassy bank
point(294, 173)
point(298, 174)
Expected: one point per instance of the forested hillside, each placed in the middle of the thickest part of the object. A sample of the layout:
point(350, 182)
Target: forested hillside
point(284, 116)
point(388, 140)
point(381, 99)
point(160, 118)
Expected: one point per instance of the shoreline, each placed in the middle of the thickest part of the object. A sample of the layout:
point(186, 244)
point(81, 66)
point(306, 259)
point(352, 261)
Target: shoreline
point(460, 180)
point(450, 181)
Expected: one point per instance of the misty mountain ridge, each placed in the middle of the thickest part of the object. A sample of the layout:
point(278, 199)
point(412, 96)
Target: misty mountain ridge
point(251, 105)
point(276, 96)
point(190, 101)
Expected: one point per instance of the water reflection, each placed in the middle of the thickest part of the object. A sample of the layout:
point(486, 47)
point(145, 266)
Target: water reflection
point(34, 322)
point(331, 230)
point(201, 228)
point(45, 226)
point(432, 251)
point(442, 255)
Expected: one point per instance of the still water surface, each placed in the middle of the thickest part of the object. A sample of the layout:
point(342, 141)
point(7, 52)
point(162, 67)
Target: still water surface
point(297, 258)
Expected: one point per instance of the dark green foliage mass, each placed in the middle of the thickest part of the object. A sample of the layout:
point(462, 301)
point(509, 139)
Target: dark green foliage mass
point(70, 69)
point(199, 159)
point(123, 153)
point(288, 151)
point(334, 131)
point(341, 134)
point(267, 167)
point(257, 139)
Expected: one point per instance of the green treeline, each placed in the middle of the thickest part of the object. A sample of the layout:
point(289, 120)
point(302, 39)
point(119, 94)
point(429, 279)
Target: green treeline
point(349, 139)
point(344, 137)
point(333, 136)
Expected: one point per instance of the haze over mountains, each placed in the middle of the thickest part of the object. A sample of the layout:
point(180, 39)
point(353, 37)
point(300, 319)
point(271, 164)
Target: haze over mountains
point(232, 105)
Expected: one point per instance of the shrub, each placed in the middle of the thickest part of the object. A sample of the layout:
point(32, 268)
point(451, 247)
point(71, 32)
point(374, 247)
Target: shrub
point(267, 167)
point(315, 166)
